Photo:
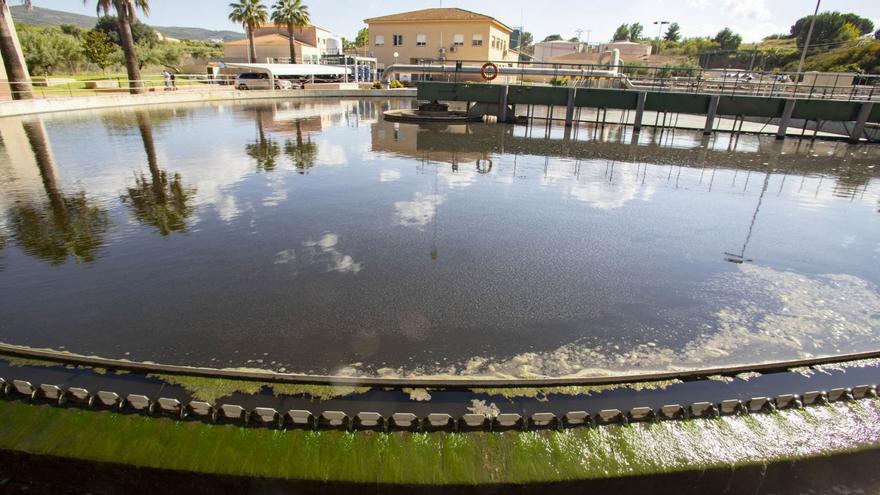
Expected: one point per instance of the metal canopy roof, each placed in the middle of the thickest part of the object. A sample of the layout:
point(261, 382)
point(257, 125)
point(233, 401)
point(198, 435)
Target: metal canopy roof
point(279, 70)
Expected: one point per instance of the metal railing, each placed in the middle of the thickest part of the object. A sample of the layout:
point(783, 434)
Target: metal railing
point(52, 87)
point(829, 86)
point(682, 79)
point(61, 87)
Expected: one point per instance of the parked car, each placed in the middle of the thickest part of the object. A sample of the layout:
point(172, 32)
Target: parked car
point(256, 80)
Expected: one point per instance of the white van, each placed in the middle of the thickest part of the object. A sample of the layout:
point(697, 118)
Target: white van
point(258, 80)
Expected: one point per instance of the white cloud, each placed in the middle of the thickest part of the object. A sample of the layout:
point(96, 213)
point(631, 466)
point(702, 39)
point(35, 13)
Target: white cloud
point(747, 9)
point(418, 212)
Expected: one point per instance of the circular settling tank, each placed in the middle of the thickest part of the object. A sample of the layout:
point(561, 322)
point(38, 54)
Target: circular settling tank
point(316, 237)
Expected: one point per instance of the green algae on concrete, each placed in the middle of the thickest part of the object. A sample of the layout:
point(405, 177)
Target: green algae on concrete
point(18, 362)
point(211, 389)
point(442, 458)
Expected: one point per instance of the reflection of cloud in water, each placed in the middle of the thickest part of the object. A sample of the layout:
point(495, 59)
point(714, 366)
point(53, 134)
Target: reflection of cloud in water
point(418, 212)
point(389, 175)
point(285, 257)
point(331, 154)
point(457, 179)
point(227, 208)
point(608, 195)
point(780, 316)
point(277, 191)
point(324, 251)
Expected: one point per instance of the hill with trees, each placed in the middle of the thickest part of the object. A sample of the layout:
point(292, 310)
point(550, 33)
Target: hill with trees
point(48, 17)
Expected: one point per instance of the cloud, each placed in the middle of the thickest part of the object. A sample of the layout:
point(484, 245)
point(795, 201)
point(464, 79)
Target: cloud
point(747, 9)
point(418, 212)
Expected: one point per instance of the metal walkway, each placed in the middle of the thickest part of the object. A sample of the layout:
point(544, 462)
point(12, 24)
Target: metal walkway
point(854, 117)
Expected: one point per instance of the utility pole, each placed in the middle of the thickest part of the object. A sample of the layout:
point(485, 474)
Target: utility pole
point(807, 41)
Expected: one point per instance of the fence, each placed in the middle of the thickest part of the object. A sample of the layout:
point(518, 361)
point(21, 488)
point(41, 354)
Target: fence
point(60, 87)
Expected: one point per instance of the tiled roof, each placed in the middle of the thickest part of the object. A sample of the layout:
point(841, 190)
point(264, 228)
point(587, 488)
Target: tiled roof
point(437, 14)
point(268, 39)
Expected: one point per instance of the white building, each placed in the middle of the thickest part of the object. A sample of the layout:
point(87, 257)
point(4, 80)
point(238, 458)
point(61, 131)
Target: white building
point(546, 50)
point(629, 50)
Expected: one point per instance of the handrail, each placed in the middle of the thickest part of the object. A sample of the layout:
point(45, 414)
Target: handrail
point(42, 87)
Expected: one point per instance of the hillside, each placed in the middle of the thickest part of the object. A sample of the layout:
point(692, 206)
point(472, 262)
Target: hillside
point(48, 17)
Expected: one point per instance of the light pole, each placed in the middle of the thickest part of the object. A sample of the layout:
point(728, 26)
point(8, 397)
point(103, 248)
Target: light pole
point(807, 42)
point(660, 25)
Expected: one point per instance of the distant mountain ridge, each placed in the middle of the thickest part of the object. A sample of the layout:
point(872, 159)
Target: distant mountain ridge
point(48, 17)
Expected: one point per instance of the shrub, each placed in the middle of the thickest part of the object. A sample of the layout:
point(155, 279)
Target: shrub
point(377, 85)
point(395, 84)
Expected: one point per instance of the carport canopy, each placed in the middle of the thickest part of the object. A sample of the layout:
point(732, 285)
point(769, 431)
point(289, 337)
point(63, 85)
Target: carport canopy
point(296, 70)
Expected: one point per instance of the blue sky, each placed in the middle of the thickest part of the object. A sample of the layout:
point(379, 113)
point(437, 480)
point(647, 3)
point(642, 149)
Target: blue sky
point(754, 19)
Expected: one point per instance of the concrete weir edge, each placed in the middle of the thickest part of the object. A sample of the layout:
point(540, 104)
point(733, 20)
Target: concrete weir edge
point(49, 105)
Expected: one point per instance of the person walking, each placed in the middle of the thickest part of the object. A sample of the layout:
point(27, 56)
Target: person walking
point(173, 82)
point(168, 80)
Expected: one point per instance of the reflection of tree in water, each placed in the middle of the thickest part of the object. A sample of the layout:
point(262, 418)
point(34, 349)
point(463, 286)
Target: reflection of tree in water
point(158, 200)
point(264, 150)
point(302, 153)
point(68, 225)
point(121, 122)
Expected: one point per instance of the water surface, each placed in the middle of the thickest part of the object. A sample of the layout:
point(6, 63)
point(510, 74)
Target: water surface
point(314, 237)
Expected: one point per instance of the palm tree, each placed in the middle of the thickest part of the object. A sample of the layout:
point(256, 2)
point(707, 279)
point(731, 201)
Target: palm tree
point(125, 15)
point(293, 14)
point(251, 14)
point(303, 153)
point(264, 150)
point(13, 59)
point(69, 226)
point(158, 201)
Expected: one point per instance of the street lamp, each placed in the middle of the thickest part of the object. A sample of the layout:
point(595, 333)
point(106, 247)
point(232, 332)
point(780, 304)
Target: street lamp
point(807, 41)
point(395, 57)
point(660, 25)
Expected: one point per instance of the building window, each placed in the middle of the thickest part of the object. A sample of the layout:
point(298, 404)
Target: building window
point(458, 40)
point(398, 40)
point(421, 40)
point(380, 40)
point(478, 40)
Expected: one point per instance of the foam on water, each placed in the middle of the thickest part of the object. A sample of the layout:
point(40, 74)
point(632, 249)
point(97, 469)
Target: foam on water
point(781, 315)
